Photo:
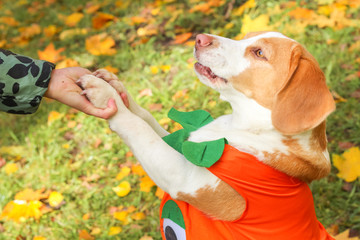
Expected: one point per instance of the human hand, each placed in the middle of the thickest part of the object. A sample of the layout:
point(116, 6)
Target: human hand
point(63, 88)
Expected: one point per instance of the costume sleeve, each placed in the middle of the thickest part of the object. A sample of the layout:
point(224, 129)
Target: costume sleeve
point(23, 82)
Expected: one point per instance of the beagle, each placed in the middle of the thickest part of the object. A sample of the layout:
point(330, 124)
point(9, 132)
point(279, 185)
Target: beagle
point(274, 142)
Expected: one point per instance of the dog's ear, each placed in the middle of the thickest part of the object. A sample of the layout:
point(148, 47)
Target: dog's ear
point(304, 101)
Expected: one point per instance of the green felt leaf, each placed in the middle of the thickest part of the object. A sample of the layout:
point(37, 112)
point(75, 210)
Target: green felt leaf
point(204, 154)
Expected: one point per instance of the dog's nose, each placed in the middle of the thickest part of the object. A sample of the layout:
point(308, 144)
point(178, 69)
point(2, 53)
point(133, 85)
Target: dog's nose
point(203, 40)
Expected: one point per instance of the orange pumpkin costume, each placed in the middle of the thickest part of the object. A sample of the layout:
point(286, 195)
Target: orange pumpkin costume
point(278, 206)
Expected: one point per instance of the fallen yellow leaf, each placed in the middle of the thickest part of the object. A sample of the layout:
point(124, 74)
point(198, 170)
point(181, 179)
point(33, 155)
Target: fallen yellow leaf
point(100, 44)
point(122, 189)
point(165, 68)
point(146, 238)
point(95, 231)
point(10, 168)
point(86, 216)
point(67, 62)
point(29, 194)
point(51, 54)
point(345, 236)
point(122, 216)
point(125, 171)
point(111, 69)
point(247, 5)
point(138, 216)
point(146, 184)
point(84, 235)
point(114, 231)
point(55, 199)
point(154, 69)
point(348, 164)
point(260, 23)
point(73, 19)
point(53, 116)
point(18, 210)
point(39, 238)
point(138, 170)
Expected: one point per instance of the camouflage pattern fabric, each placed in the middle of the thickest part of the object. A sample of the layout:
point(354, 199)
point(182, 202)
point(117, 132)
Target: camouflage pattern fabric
point(23, 82)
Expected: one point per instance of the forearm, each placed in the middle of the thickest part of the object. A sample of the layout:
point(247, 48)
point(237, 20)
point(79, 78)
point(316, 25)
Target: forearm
point(23, 82)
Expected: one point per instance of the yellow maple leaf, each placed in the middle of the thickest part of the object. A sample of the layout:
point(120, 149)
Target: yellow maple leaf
point(10, 168)
point(100, 44)
point(102, 20)
point(348, 164)
point(73, 19)
point(51, 54)
point(114, 231)
point(260, 23)
point(122, 189)
point(29, 194)
point(146, 184)
point(55, 199)
point(125, 171)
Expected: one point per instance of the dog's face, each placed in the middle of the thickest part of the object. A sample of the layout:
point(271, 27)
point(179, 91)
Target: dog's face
point(270, 68)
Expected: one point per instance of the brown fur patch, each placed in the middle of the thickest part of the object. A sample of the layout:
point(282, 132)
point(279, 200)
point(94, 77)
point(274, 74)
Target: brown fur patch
point(222, 203)
point(306, 163)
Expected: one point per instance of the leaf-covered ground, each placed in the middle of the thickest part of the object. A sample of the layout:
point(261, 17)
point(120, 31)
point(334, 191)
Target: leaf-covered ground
point(65, 175)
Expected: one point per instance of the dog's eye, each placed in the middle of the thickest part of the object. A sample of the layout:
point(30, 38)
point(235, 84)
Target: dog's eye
point(259, 53)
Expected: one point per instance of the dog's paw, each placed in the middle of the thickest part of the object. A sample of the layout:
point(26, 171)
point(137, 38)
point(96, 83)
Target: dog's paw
point(99, 92)
point(105, 74)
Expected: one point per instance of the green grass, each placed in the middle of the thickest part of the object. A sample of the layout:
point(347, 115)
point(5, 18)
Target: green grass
point(46, 163)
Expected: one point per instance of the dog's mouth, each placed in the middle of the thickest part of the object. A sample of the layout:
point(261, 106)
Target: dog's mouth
point(206, 71)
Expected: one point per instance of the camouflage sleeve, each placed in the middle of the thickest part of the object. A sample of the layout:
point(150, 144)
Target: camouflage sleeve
point(23, 82)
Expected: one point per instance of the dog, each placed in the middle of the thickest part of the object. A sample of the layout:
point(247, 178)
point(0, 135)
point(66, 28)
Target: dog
point(243, 175)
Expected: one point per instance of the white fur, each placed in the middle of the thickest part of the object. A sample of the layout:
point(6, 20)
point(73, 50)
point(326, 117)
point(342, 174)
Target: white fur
point(248, 128)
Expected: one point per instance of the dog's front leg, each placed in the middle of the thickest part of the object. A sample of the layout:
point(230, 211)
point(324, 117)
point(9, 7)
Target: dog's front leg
point(168, 168)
